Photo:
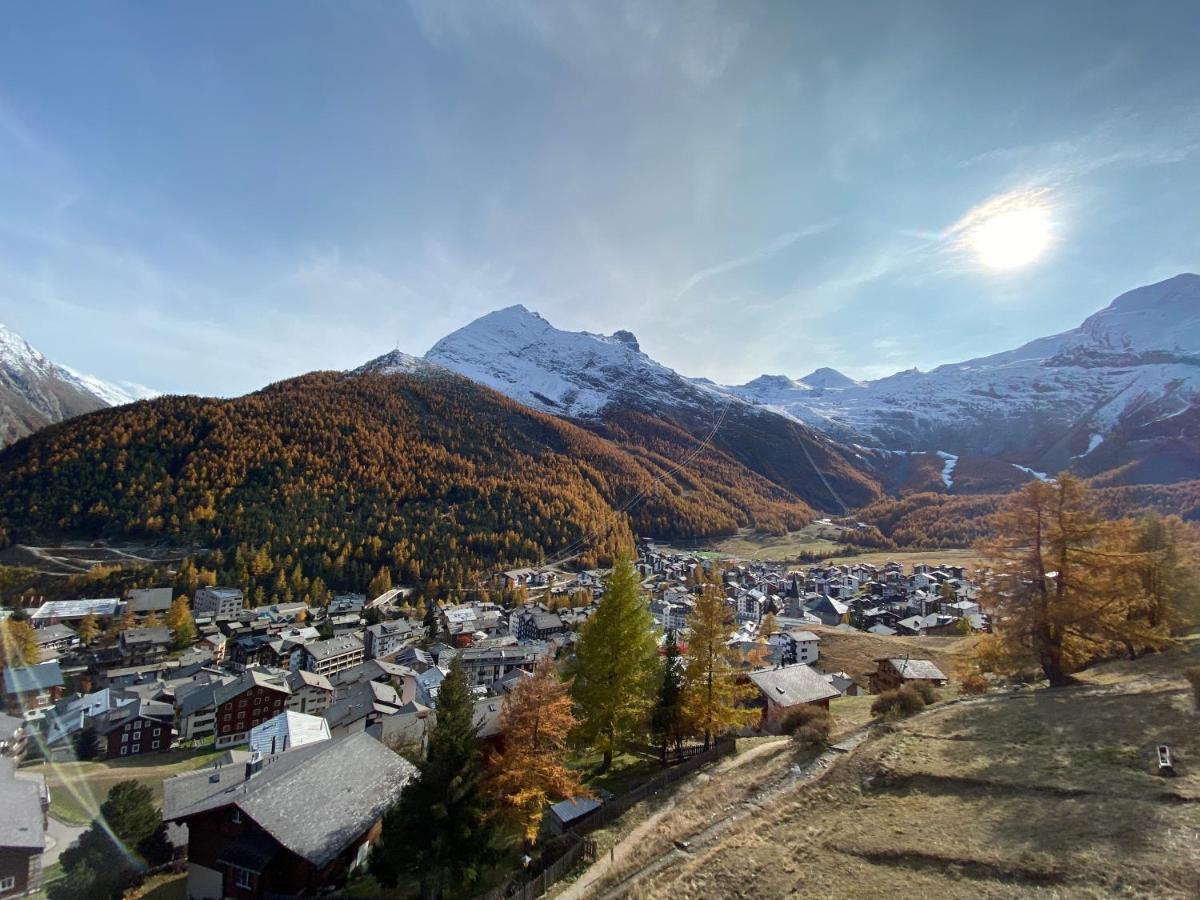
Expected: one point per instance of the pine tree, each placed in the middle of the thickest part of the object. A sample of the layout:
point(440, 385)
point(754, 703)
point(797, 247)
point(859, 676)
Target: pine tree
point(666, 721)
point(532, 770)
point(713, 697)
point(616, 660)
point(441, 833)
point(431, 621)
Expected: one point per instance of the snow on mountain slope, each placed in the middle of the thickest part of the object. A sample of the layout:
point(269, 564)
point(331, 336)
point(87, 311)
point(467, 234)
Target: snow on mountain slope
point(35, 392)
point(1041, 405)
point(575, 374)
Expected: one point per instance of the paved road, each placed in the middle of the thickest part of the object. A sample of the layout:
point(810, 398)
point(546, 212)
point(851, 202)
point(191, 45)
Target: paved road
point(59, 837)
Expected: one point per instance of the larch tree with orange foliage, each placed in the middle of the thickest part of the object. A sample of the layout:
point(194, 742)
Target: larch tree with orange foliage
point(531, 771)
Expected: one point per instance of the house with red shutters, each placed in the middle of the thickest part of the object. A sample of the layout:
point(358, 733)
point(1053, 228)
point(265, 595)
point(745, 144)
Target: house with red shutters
point(255, 697)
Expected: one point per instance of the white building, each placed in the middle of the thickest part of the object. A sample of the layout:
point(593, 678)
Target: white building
point(221, 602)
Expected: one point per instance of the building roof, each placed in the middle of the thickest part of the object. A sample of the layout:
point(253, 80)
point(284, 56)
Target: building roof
point(314, 800)
point(249, 679)
point(22, 680)
point(916, 668)
point(21, 799)
point(146, 600)
point(792, 685)
point(9, 726)
point(156, 634)
point(335, 646)
point(567, 811)
point(51, 633)
point(287, 731)
point(76, 609)
point(301, 679)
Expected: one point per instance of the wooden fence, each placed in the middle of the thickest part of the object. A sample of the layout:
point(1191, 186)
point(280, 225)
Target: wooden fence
point(584, 847)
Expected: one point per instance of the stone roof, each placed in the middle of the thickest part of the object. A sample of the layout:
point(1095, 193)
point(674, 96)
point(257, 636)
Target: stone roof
point(21, 680)
point(921, 669)
point(21, 799)
point(793, 685)
point(335, 646)
point(145, 600)
point(314, 800)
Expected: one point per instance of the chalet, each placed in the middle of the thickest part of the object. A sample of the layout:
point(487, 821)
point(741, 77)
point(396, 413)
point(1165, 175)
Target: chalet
point(143, 645)
point(829, 611)
point(893, 672)
point(32, 688)
point(784, 689)
point(360, 705)
point(145, 602)
point(196, 708)
point(333, 655)
point(290, 825)
point(310, 693)
point(534, 625)
point(250, 700)
point(25, 801)
point(408, 728)
point(142, 726)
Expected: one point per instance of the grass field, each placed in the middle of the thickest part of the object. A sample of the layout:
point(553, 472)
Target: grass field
point(855, 652)
point(78, 788)
point(969, 559)
point(1043, 793)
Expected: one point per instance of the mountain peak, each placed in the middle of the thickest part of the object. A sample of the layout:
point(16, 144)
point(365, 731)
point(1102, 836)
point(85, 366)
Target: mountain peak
point(395, 362)
point(1160, 316)
point(828, 379)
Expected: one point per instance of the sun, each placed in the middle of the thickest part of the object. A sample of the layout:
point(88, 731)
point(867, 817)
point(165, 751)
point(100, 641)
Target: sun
point(1010, 238)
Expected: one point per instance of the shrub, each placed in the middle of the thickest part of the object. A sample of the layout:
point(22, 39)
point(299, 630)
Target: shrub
point(898, 704)
point(927, 691)
point(1192, 674)
point(973, 684)
point(810, 726)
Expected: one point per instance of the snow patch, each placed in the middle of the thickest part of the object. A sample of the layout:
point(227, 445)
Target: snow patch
point(1040, 476)
point(948, 468)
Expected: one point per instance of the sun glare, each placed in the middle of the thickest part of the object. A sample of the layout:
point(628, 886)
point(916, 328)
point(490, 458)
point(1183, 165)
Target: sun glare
point(1012, 237)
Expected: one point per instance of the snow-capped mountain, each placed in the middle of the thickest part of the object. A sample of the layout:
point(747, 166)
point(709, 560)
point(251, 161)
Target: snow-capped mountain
point(575, 374)
point(1130, 371)
point(35, 392)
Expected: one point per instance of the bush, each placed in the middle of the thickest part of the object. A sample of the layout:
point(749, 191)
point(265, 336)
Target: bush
point(927, 691)
point(898, 704)
point(1192, 674)
point(973, 684)
point(809, 726)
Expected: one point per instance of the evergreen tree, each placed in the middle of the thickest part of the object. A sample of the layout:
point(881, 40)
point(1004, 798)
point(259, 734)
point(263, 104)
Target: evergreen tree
point(441, 832)
point(431, 621)
point(616, 660)
point(714, 699)
point(666, 721)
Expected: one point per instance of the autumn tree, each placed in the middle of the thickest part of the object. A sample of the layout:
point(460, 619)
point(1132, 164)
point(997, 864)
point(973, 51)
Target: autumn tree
point(89, 629)
point(1066, 583)
point(714, 698)
point(18, 643)
point(768, 626)
point(616, 659)
point(1166, 569)
point(532, 770)
point(381, 583)
point(181, 623)
point(441, 833)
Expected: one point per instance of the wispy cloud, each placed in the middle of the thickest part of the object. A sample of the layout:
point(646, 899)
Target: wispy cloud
point(759, 254)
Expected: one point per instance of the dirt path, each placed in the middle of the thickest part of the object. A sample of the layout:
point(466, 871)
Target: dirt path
point(622, 848)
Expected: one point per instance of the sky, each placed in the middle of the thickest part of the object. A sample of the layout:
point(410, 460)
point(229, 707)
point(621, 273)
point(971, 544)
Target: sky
point(206, 198)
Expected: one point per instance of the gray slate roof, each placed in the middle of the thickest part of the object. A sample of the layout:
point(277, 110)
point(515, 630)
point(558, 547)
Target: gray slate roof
point(918, 668)
point(335, 646)
point(146, 600)
point(792, 685)
point(32, 678)
point(21, 800)
point(314, 800)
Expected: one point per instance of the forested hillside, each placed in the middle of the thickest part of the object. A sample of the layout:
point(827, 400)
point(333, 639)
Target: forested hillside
point(317, 483)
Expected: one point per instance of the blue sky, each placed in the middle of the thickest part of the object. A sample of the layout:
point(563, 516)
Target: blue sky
point(209, 197)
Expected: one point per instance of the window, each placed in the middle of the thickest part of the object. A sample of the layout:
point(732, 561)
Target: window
point(7, 883)
point(157, 732)
point(124, 739)
point(124, 751)
point(154, 746)
point(137, 735)
point(243, 878)
point(137, 748)
point(236, 815)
